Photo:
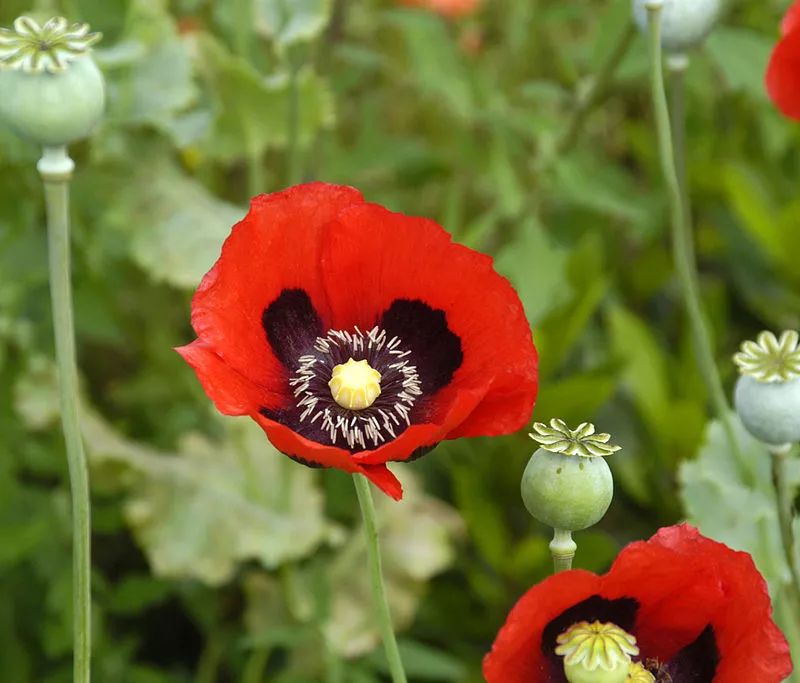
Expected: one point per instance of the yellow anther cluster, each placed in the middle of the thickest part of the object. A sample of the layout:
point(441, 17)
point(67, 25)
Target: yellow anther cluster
point(355, 384)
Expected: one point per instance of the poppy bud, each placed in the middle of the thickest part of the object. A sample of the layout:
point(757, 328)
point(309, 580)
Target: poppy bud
point(767, 395)
point(684, 23)
point(567, 483)
point(52, 91)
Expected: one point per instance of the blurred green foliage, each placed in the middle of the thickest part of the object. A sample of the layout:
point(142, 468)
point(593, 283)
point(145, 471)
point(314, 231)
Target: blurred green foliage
point(217, 560)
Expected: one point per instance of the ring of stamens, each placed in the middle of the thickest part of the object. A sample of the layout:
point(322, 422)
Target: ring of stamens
point(388, 415)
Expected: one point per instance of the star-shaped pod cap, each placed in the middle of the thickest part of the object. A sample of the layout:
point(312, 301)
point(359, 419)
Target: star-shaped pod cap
point(581, 441)
point(769, 358)
point(51, 47)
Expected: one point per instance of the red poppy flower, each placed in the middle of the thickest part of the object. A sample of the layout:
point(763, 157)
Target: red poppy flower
point(783, 72)
point(314, 278)
point(451, 9)
point(699, 611)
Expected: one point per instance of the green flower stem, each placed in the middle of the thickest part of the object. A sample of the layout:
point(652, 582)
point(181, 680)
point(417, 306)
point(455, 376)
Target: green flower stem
point(563, 549)
point(255, 667)
point(56, 169)
point(677, 66)
point(243, 27)
point(294, 170)
point(682, 247)
point(376, 576)
point(783, 497)
point(597, 87)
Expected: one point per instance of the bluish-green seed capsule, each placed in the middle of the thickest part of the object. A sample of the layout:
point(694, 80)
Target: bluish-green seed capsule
point(684, 23)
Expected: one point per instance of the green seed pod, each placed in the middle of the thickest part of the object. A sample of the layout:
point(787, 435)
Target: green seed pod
point(596, 652)
point(684, 23)
point(767, 395)
point(567, 484)
point(52, 91)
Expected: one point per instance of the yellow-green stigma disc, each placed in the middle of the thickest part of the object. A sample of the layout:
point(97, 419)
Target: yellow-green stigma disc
point(355, 384)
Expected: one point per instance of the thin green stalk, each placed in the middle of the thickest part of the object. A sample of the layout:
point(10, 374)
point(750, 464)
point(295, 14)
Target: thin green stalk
point(682, 247)
point(294, 170)
point(598, 86)
point(563, 549)
point(242, 27)
point(376, 577)
point(783, 499)
point(255, 667)
point(677, 66)
point(56, 168)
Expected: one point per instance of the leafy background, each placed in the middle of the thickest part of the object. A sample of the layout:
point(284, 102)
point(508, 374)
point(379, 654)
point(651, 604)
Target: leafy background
point(216, 559)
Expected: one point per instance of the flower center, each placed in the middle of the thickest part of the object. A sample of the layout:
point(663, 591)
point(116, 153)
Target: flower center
point(596, 652)
point(356, 387)
point(355, 384)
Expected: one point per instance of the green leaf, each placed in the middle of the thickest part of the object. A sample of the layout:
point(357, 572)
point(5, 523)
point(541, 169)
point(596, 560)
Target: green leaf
point(200, 512)
point(175, 226)
point(287, 22)
point(252, 112)
point(646, 375)
point(537, 269)
point(423, 662)
point(741, 54)
point(723, 507)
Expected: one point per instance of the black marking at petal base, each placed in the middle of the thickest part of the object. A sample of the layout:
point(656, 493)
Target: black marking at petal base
point(420, 452)
point(621, 611)
point(291, 324)
point(308, 463)
point(437, 350)
point(696, 663)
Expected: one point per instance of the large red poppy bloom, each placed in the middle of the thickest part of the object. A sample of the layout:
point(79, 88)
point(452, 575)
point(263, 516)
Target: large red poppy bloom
point(314, 276)
point(783, 72)
point(699, 610)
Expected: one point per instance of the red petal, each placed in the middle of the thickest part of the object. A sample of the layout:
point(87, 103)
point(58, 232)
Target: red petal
point(751, 646)
point(290, 442)
point(387, 256)
point(791, 20)
point(678, 594)
point(783, 74)
point(516, 655)
point(232, 393)
point(276, 247)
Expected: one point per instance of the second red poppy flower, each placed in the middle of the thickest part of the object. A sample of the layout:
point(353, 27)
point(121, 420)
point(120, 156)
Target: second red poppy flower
point(356, 336)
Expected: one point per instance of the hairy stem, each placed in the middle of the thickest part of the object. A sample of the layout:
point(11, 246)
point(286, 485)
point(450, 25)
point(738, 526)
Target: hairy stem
point(376, 577)
point(56, 167)
point(683, 249)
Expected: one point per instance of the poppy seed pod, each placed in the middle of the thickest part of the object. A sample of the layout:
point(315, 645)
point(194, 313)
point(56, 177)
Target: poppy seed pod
point(567, 483)
point(684, 23)
point(52, 91)
point(767, 395)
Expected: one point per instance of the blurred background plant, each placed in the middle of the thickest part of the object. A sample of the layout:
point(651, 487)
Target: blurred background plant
point(217, 560)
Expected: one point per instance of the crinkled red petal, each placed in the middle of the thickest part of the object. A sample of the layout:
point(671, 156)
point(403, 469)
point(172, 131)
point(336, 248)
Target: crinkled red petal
point(783, 74)
point(231, 392)
point(751, 646)
point(276, 247)
point(393, 257)
point(516, 656)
